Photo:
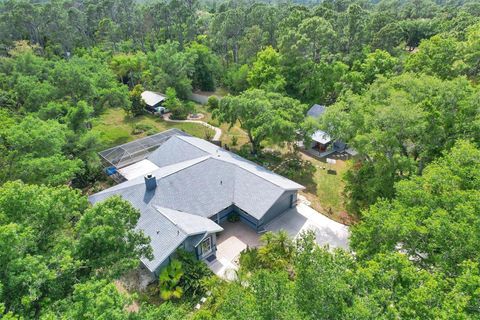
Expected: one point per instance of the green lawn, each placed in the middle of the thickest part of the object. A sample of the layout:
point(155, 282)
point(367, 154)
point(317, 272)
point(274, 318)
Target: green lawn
point(227, 132)
point(115, 127)
point(325, 190)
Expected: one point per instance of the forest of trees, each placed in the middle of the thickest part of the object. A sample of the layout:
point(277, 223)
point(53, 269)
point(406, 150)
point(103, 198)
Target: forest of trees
point(399, 79)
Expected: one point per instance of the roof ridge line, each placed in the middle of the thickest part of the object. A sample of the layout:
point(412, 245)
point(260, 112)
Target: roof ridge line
point(180, 137)
point(246, 160)
point(268, 180)
point(256, 174)
point(199, 160)
point(159, 210)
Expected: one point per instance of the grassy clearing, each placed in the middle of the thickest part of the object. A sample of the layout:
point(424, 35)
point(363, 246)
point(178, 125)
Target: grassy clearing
point(325, 189)
point(116, 127)
point(227, 132)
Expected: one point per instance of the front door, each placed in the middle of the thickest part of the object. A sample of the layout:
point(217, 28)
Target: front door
point(292, 201)
point(205, 247)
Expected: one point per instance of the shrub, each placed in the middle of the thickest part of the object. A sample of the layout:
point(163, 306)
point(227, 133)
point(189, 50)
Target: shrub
point(234, 141)
point(195, 271)
point(169, 280)
point(234, 217)
point(176, 107)
point(208, 134)
point(136, 106)
point(212, 103)
point(185, 275)
point(276, 253)
point(249, 259)
point(151, 131)
point(190, 107)
point(142, 127)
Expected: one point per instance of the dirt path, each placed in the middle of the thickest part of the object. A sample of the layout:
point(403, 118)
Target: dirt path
point(199, 98)
point(218, 131)
point(202, 97)
point(134, 307)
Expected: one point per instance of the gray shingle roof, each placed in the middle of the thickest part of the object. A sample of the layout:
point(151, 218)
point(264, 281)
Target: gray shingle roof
point(316, 111)
point(168, 229)
point(190, 224)
point(196, 180)
point(238, 161)
point(165, 237)
point(175, 150)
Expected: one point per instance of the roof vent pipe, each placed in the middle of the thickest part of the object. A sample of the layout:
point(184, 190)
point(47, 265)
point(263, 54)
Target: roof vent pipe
point(150, 182)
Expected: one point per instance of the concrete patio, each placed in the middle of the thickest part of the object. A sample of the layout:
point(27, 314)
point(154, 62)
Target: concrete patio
point(235, 238)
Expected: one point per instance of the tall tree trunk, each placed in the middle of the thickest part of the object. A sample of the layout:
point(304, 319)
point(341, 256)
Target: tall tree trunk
point(235, 52)
point(254, 143)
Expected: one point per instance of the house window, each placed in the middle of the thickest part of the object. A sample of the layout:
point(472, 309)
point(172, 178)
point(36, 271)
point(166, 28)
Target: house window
point(206, 246)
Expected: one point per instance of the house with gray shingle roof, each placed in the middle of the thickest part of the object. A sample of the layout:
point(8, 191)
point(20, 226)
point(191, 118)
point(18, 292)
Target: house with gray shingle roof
point(316, 111)
point(187, 187)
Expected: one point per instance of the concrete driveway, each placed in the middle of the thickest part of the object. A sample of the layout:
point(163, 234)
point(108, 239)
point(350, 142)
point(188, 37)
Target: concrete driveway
point(301, 218)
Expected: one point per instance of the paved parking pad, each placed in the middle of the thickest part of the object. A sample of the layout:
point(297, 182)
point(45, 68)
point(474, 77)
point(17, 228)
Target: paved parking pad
point(301, 218)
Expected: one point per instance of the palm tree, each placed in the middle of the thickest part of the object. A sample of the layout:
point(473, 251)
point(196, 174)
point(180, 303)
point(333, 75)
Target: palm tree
point(169, 279)
point(267, 238)
point(283, 243)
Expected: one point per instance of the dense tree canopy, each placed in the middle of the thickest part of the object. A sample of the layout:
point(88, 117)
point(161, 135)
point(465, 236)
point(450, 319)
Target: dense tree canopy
point(263, 115)
point(398, 126)
point(51, 240)
point(438, 208)
point(266, 73)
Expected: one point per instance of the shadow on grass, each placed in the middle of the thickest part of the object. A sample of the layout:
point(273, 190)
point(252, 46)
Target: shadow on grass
point(120, 140)
point(289, 165)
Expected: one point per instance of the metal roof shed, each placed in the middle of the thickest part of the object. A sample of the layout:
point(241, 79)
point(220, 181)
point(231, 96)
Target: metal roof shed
point(152, 99)
point(321, 137)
